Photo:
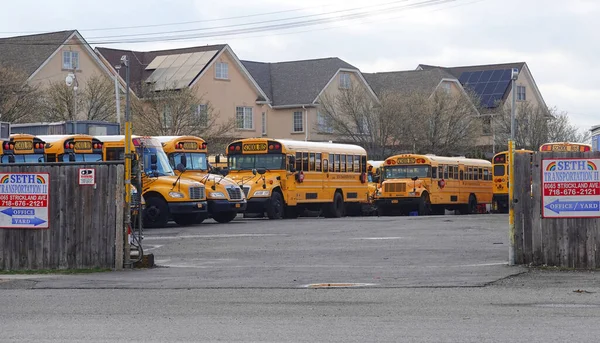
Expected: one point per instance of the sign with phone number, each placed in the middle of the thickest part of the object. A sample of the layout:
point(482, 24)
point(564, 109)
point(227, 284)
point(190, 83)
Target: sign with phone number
point(24, 200)
point(570, 188)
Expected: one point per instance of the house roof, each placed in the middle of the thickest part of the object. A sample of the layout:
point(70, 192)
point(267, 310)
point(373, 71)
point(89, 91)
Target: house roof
point(410, 81)
point(295, 82)
point(139, 60)
point(492, 81)
point(28, 53)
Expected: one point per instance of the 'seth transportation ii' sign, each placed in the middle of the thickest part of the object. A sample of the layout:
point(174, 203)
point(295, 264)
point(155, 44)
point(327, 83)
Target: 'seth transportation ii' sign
point(24, 200)
point(570, 188)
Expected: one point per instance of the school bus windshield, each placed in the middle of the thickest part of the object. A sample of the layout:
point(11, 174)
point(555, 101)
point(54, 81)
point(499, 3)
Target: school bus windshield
point(194, 160)
point(249, 162)
point(24, 158)
point(163, 168)
point(404, 172)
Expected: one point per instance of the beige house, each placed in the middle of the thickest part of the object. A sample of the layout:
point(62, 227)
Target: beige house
point(295, 88)
point(213, 71)
point(47, 58)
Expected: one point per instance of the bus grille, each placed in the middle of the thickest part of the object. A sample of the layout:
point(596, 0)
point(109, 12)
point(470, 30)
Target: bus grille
point(235, 193)
point(196, 193)
point(395, 187)
point(246, 190)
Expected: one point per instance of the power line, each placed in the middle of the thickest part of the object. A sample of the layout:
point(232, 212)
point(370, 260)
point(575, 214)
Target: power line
point(276, 27)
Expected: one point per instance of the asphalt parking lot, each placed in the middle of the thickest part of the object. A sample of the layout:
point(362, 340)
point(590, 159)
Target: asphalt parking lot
point(412, 279)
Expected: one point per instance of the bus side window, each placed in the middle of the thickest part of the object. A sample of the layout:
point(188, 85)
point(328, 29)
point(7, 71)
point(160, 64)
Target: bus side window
point(456, 172)
point(325, 165)
point(446, 172)
point(343, 163)
point(304, 161)
point(475, 173)
point(469, 171)
point(331, 162)
point(356, 164)
point(298, 161)
point(363, 163)
point(311, 161)
point(336, 163)
point(461, 175)
point(318, 162)
point(434, 173)
point(480, 173)
point(485, 174)
point(350, 163)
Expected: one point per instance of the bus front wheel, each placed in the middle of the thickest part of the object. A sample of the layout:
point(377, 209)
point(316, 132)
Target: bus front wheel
point(156, 213)
point(335, 209)
point(424, 205)
point(184, 219)
point(224, 217)
point(275, 208)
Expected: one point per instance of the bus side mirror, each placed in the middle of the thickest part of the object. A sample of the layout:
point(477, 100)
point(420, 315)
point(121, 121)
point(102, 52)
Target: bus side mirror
point(224, 172)
point(180, 167)
point(261, 171)
point(218, 159)
point(71, 157)
point(183, 161)
point(153, 159)
point(11, 158)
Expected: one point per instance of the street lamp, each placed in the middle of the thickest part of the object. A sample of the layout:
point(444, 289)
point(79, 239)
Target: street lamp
point(71, 80)
point(511, 177)
point(127, 154)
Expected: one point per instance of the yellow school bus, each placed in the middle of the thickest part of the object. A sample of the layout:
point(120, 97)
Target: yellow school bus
point(166, 196)
point(283, 177)
point(565, 147)
point(432, 184)
point(225, 198)
point(72, 148)
point(217, 162)
point(22, 148)
point(500, 170)
point(374, 174)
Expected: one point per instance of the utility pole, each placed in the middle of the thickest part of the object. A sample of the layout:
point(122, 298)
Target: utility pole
point(127, 155)
point(118, 95)
point(511, 168)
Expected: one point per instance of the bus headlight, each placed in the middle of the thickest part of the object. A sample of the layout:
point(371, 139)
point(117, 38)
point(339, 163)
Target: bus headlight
point(216, 195)
point(176, 195)
point(262, 193)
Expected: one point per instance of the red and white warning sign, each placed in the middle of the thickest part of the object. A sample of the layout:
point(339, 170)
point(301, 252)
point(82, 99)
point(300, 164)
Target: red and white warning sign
point(87, 176)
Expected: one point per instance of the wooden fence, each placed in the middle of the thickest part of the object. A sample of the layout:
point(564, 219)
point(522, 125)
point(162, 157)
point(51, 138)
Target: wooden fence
point(84, 222)
point(559, 242)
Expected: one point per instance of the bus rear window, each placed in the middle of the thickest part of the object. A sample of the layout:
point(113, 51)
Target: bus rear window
point(499, 170)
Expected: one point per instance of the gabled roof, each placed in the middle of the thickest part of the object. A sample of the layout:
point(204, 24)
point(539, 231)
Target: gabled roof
point(492, 81)
point(139, 60)
point(295, 82)
point(28, 53)
point(411, 81)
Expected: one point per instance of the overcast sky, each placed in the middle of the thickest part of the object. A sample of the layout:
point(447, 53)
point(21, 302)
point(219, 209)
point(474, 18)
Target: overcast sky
point(557, 38)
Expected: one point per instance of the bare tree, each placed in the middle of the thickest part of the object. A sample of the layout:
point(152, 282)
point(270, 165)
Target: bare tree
point(352, 115)
point(181, 112)
point(19, 101)
point(536, 125)
point(94, 101)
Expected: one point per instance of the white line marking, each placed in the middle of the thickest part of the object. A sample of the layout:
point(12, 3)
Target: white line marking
point(378, 238)
point(213, 236)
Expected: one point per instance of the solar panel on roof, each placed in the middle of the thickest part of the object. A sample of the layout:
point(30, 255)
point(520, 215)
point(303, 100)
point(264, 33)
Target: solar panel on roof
point(485, 76)
point(496, 75)
point(505, 75)
point(489, 85)
point(177, 71)
point(489, 88)
point(464, 77)
point(475, 77)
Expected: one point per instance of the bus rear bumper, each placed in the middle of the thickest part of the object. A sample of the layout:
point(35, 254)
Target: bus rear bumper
point(396, 202)
point(219, 206)
point(500, 203)
point(188, 207)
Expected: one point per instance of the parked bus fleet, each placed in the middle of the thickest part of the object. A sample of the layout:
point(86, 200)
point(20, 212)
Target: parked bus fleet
point(280, 178)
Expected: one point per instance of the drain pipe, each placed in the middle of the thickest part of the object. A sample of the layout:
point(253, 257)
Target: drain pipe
point(306, 121)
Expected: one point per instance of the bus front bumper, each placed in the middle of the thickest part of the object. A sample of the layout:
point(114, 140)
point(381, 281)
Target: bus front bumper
point(394, 202)
point(219, 206)
point(188, 207)
point(258, 205)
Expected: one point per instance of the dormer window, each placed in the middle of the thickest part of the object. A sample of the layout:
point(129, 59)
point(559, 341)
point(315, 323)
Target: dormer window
point(344, 80)
point(521, 93)
point(70, 60)
point(222, 71)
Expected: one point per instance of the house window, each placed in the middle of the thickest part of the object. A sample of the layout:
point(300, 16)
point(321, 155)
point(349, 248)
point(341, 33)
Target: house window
point(243, 116)
point(167, 117)
point(70, 60)
point(201, 114)
point(521, 93)
point(487, 125)
point(264, 123)
point(298, 122)
point(323, 124)
point(446, 87)
point(344, 80)
point(222, 71)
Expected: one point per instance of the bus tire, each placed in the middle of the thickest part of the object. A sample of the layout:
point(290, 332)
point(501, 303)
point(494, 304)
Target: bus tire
point(224, 217)
point(184, 219)
point(156, 213)
point(275, 208)
point(424, 205)
point(335, 209)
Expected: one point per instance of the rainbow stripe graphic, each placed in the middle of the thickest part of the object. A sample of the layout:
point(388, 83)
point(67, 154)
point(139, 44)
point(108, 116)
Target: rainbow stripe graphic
point(591, 166)
point(551, 166)
point(4, 179)
point(40, 180)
